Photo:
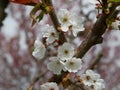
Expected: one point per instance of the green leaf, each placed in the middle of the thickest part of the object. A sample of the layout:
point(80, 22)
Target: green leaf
point(40, 16)
point(114, 0)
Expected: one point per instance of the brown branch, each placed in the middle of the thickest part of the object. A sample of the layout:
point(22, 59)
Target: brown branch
point(95, 35)
point(3, 5)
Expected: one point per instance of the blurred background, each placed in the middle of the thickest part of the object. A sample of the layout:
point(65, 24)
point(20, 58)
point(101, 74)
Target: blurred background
point(17, 65)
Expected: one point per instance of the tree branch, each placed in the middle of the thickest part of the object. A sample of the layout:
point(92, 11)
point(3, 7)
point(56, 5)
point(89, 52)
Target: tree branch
point(95, 35)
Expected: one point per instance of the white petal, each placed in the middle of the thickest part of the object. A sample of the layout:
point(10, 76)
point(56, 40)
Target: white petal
point(76, 29)
point(55, 65)
point(39, 50)
point(50, 34)
point(73, 65)
point(66, 51)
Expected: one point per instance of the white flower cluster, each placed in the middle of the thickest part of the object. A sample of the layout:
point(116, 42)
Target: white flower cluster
point(70, 22)
point(39, 49)
point(64, 60)
point(49, 86)
point(92, 79)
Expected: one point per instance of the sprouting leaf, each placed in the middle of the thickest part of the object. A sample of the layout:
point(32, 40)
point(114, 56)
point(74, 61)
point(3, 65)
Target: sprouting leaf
point(33, 12)
point(40, 16)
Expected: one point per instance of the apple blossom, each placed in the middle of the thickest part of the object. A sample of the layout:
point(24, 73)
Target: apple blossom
point(92, 79)
point(50, 33)
point(73, 65)
point(98, 85)
point(66, 51)
point(55, 65)
point(70, 22)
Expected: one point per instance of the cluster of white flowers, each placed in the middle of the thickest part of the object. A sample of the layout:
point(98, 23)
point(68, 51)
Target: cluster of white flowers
point(70, 21)
point(49, 86)
point(92, 79)
point(65, 60)
point(51, 35)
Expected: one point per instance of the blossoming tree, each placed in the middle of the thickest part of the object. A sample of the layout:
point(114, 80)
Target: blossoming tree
point(60, 45)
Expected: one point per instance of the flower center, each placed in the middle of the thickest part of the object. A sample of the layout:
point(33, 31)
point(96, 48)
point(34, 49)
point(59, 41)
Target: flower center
point(92, 86)
point(94, 81)
point(66, 51)
point(71, 63)
point(65, 19)
point(52, 34)
point(88, 78)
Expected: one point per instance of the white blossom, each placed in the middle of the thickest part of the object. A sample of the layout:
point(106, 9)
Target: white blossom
point(70, 22)
point(66, 51)
point(55, 65)
point(92, 79)
point(98, 85)
point(89, 77)
point(73, 65)
point(77, 25)
point(49, 86)
point(50, 33)
point(64, 17)
point(39, 49)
